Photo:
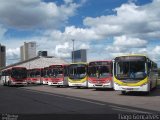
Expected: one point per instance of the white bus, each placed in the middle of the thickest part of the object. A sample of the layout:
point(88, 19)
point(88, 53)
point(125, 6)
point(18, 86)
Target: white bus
point(134, 73)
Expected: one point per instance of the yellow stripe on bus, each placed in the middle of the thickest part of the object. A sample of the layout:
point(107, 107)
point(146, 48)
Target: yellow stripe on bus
point(78, 81)
point(144, 81)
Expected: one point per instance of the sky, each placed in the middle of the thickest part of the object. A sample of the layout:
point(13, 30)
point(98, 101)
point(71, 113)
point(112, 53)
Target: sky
point(106, 28)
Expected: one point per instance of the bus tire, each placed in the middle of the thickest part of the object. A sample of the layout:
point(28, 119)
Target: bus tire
point(78, 87)
point(4, 84)
point(156, 84)
point(147, 93)
point(150, 87)
point(98, 89)
point(8, 84)
point(123, 92)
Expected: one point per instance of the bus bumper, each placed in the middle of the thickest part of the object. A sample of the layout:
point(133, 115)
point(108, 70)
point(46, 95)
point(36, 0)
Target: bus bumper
point(143, 88)
point(103, 85)
point(106, 85)
point(55, 83)
point(18, 83)
point(84, 84)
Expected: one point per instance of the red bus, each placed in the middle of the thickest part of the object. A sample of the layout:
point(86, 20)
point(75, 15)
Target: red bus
point(34, 76)
point(14, 76)
point(29, 76)
point(58, 75)
point(100, 74)
point(45, 75)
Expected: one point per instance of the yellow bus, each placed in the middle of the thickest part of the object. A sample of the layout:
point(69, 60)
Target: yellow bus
point(134, 73)
point(77, 76)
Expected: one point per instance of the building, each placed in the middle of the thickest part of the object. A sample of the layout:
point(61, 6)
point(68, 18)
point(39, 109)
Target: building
point(2, 56)
point(42, 53)
point(38, 62)
point(79, 55)
point(28, 51)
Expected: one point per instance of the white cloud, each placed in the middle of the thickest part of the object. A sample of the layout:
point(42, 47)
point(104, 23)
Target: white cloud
point(154, 54)
point(13, 52)
point(143, 51)
point(84, 46)
point(130, 20)
point(13, 55)
point(63, 50)
point(115, 49)
point(80, 33)
point(26, 14)
point(156, 50)
point(129, 42)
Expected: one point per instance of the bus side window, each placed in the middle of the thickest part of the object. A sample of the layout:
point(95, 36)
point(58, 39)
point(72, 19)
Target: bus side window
point(149, 67)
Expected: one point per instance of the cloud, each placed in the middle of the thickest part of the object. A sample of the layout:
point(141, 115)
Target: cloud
point(124, 44)
point(154, 54)
point(129, 42)
point(80, 34)
point(84, 46)
point(115, 49)
point(13, 52)
point(13, 55)
point(2, 31)
point(28, 14)
point(62, 50)
point(130, 20)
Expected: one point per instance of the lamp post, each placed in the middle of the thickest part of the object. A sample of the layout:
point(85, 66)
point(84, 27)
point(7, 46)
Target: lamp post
point(73, 50)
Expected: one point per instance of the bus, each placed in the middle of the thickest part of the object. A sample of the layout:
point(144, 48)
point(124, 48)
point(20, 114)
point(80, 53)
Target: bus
point(77, 76)
point(45, 75)
point(134, 73)
point(14, 76)
point(58, 75)
point(100, 74)
point(35, 75)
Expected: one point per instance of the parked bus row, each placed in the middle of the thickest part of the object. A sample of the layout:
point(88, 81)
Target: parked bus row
point(124, 73)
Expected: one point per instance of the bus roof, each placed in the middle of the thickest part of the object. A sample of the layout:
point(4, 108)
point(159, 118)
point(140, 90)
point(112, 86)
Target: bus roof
point(36, 69)
point(85, 63)
point(143, 55)
point(58, 65)
point(132, 55)
point(101, 61)
point(18, 67)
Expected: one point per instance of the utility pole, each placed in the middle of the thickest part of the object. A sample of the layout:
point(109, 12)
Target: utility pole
point(73, 51)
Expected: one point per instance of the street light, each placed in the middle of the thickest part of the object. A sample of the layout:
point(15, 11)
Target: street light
point(73, 50)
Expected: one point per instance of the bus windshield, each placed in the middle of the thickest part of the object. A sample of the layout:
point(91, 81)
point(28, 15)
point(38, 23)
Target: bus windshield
point(77, 71)
point(56, 72)
point(99, 71)
point(45, 73)
point(130, 70)
point(37, 73)
point(19, 73)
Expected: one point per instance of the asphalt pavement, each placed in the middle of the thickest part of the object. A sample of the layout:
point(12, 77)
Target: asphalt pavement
point(51, 101)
